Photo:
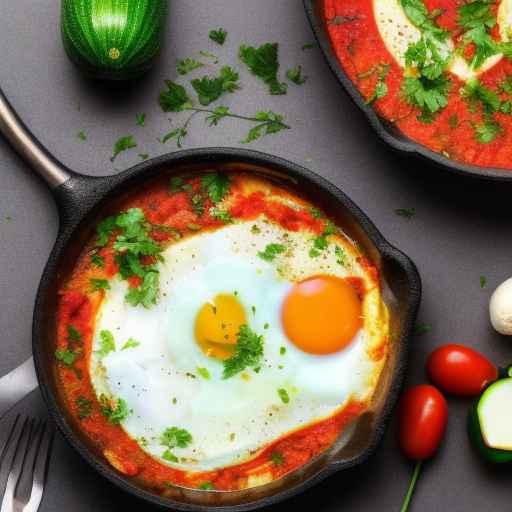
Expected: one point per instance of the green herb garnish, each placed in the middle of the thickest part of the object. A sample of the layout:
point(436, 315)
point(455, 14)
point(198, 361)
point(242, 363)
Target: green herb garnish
point(219, 36)
point(216, 186)
point(206, 486)
point(210, 89)
point(277, 458)
point(84, 407)
point(99, 284)
point(271, 252)
point(123, 144)
point(283, 395)
point(66, 357)
point(115, 411)
point(140, 119)
point(82, 135)
point(185, 66)
point(204, 373)
point(107, 343)
point(264, 63)
point(98, 261)
point(175, 99)
point(248, 352)
point(407, 213)
point(295, 75)
point(131, 343)
point(174, 437)
point(483, 281)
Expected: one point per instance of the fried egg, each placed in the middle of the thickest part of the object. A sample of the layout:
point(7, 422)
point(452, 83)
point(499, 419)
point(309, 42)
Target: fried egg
point(398, 32)
point(317, 337)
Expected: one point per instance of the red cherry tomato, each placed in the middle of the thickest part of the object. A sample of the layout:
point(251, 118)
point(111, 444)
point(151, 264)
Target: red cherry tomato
point(423, 418)
point(460, 370)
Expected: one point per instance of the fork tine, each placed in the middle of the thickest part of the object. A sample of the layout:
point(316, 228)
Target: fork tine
point(40, 467)
point(17, 466)
point(8, 440)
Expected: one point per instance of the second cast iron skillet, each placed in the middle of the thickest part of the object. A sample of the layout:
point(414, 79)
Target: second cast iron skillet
point(82, 201)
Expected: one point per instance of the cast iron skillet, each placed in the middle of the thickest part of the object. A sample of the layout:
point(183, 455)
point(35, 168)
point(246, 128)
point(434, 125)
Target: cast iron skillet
point(386, 130)
point(81, 201)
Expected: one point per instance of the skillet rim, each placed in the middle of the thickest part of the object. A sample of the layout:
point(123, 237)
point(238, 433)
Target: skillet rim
point(402, 145)
point(100, 187)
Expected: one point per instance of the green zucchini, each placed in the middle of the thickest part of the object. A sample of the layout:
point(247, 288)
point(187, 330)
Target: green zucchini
point(490, 422)
point(113, 39)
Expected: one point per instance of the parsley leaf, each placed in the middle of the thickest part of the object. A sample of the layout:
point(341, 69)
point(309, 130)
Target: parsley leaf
point(248, 352)
point(123, 144)
point(430, 96)
point(131, 343)
point(98, 261)
point(483, 281)
point(295, 75)
point(271, 252)
point(283, 395)
point(73, 335)
point(67, 357)
point(99, 284)
point(277, 458)
point(185, 66)
point(222, 215)
point(418, 14)
point(381, 88)
point(487, 131)
point(407, 213)
point(147, 293)
point(270, 123)
point(264, 63)
point(204, 373)
point(206, 486)
point(82, 136)
point(210, 89)
point(115, 411)
point(141, 119)
point(179, 134)
point(107, 343)
point(216, 185)
point(175, 99)
point(219, 36)
point(175, 437)
point(104, 230)
point(341, 257)
point(477, 19)
point(84, 407)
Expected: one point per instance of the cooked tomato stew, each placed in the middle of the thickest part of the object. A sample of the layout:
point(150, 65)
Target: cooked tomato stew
point(129, 245)
point(440, 70)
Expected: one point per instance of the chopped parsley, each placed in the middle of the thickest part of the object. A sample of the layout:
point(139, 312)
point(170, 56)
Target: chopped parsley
point(185, 66)
point(73, 335)
point(316, 213)
point(204, 373)
point(381, 88)
point(269, 123)
point(147, 293)
point(206, 486)
point(308, 46)
point(140, 119)
point(209, 55)
point(248, 352)
point(483, 282)
point(295, 75)
point(277, 458)
point(341, 257)
point(82, 136)
point(271, 252)
point(174, 437)
point(222, 215)
point(131, 343)
point(283, 395)
point(216, 186)
point(282, 351)
point(420, 329)
point(66, 357)
point(178, 184)
point(406, 213)
point(320, 243)
point(143, 156)
point(107, 343)
point(426, 84)
point(98, 261)
point(115, 411)
point(263, 62)
point(218, 36)
point(99, 284)
point(209, 89)
point(175, 99)
point(123, 144)
point(84, 407)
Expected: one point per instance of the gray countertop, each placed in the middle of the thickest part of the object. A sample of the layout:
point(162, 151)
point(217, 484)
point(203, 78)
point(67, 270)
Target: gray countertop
point(459, 233)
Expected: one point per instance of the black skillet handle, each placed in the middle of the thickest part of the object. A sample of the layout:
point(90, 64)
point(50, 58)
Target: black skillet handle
point(73, 192)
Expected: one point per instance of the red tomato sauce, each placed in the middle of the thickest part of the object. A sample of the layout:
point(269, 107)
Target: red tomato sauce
point(360, 49)
point(78, 308)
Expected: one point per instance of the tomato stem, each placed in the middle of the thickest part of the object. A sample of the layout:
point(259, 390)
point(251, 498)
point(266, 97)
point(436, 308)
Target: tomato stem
point(412, 485)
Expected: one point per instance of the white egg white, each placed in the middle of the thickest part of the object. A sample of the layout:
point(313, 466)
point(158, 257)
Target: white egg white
point(229, 419)
point(398, 32)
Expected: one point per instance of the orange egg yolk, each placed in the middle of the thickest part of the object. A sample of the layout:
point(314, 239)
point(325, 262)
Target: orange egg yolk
point(217, 326)
point(321, 315)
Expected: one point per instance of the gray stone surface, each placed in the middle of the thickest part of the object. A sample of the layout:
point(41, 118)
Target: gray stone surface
point(460, 230)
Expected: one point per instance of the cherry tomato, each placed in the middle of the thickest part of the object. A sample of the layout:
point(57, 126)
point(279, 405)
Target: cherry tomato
point(460, 370)
point(423, 418)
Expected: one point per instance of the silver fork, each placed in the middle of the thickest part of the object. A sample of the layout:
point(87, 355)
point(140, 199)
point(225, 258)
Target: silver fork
point(25, 457)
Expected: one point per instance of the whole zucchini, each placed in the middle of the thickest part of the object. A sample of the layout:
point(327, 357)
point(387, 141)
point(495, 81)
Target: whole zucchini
point(113, 39)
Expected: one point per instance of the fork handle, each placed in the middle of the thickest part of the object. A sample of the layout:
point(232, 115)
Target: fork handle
point(17, 385)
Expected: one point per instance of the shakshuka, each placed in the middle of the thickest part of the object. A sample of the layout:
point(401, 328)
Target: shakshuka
point(440, 70)
point(218, 332)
